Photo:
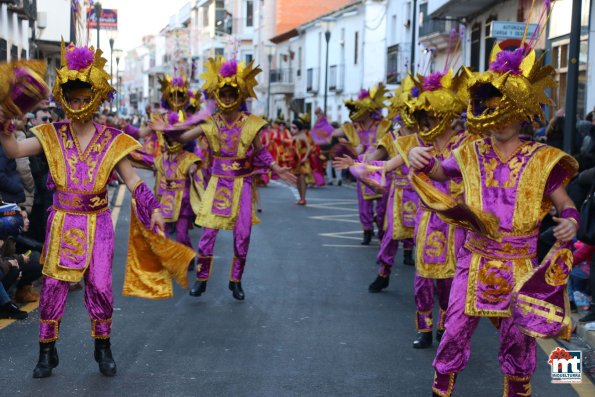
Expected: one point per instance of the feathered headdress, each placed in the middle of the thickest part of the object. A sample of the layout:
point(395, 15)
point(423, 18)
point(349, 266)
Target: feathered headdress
point(372, 101)
point(86, 65)
point(221, 73)
point(401, 102)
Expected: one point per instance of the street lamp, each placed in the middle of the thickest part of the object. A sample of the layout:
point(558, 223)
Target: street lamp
point(111, 62)
point(118, 54)
point(270, 49)
point(97, 18)
point(327, 25)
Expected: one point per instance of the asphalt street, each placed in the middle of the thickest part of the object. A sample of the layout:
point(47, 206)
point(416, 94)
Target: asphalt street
point(308, 326)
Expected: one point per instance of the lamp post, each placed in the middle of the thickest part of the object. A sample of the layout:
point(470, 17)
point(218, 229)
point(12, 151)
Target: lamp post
point(111, 62)
point(326, 24)
point(118, 56)
point(97, 18)
point(270, 49)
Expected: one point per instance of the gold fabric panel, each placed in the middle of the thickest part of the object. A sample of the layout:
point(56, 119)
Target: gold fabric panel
point(382, 129)
point(466, 155)
point(249, 131)
point(48, 137)
point(531, 206)
point(120, 147)
point(152, 261)
point(433, 270)
point(404, 144)
point(400, 231)
point(206, 218)
point(386, 142)
point(350, 133)
point(210, 130)
point(181, 173)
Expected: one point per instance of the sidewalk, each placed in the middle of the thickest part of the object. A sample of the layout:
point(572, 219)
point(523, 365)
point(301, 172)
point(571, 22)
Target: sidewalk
point(586, 342)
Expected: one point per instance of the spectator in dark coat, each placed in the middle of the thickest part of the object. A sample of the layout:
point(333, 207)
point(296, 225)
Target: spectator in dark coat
point(11, 187)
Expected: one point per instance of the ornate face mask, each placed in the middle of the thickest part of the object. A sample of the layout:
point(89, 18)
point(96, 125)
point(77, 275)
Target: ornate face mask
point(511, 91)
point(229, 74)
point(85, 65)
point(437, 99)
point(174, 92)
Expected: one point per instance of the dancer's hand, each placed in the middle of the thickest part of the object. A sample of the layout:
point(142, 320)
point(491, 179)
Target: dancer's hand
point(286, 174)
point(158, 125)
point(565, 230)
point(158, 222)
point(342, 163)
point(419, 157)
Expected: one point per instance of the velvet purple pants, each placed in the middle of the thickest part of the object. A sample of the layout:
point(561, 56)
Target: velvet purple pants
point(517, 351)
point(99, 300)
point(182, 229)
point(424, 301)
point(241, 242)
point(366, 209)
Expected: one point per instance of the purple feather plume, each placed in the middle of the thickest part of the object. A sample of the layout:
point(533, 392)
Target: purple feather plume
point(508, 61)
point(432, 81)
point(79, 58)
point(177, 82)
point(172, 118)
point(229, 68)
point(363, 94)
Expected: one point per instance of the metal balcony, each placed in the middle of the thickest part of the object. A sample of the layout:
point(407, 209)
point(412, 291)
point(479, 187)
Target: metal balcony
point(25, 9)
point(459, 8)
point(312, 80)
point(436, 33)
point(281, 81)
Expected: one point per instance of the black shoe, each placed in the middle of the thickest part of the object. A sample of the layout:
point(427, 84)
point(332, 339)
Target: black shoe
point(198, 288)
point(11, 310)
point(48, 359)
point(408, 258)
point(339, 183)
point(423, 341)
point(367, 237)
point(379, 284)
point(573, 308)
point(236, 288)
point(588, 318)
point(439, 334)
point(103, 356)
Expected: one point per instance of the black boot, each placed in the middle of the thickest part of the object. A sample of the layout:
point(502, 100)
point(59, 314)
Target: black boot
point(439, 334)
point(11, 310)
point(103, 356)
point(198, 288)
point(423, 341)
point(48, 359)
point(367, 237)
point(379, 284)
point(408, 258)
point(236, 288)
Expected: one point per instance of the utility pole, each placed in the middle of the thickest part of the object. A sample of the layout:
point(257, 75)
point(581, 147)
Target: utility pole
point(572, 80)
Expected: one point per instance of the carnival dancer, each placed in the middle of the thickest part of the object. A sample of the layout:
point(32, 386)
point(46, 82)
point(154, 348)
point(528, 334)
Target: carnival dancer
point(283, 142)
point(366, 128)
point(516, 182)
point(301, 144)
point(80, 236)
point(175, 173)
point(234, 140)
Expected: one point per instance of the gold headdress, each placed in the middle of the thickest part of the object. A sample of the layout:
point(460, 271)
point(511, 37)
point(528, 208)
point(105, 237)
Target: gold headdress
point(303, 121)
point(367, 102)
point(22, 86)
point(174, 92)
point(221, 73)
point(86, 65)
point(194, 100)
point(513, 90)
point(438, 98)
point(401, 102)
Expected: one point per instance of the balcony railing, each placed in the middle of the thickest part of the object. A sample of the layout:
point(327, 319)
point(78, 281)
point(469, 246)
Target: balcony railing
point(281, 76)
point(312, 79)
point(26, 9)
point(430, 26)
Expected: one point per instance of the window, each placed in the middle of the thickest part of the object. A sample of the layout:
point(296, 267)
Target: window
point(356, 48)
point(248, 58)
point(332, 77)
point(249, 13)
point(475, 46)
point(23, 54)
point(489, 41)
point(392, 65)
point(393, 29)
point(14, 52)
point(299, 65)
point(3, 53)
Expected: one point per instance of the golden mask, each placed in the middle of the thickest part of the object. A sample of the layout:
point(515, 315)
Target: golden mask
point(367, 102)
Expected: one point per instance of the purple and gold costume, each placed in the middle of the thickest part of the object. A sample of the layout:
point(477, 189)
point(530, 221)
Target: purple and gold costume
point(516, 190)
point(227, 201)
point(436, 241)
point(80, 235)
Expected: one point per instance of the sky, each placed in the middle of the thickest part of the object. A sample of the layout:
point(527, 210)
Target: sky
point(138, 18)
